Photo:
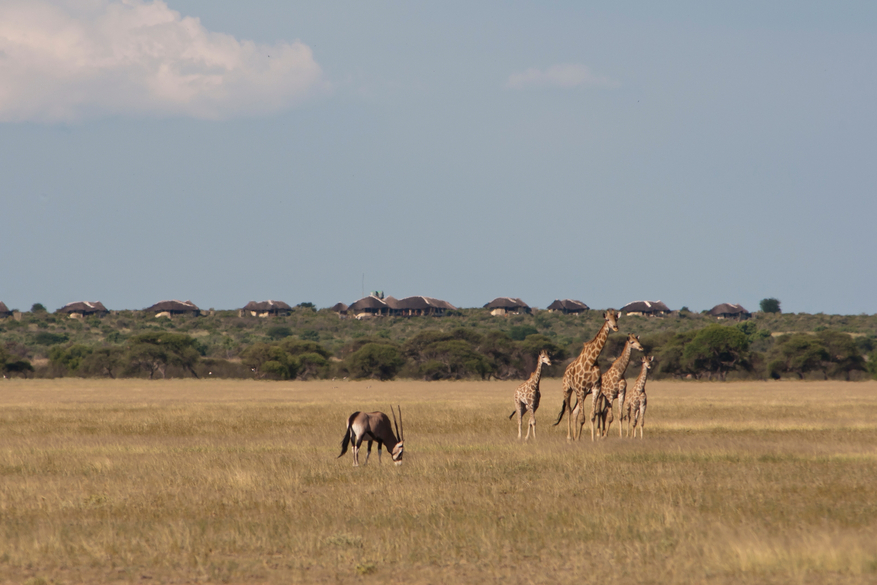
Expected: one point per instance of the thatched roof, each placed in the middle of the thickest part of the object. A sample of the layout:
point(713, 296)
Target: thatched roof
point(4, 310)
point(422, 303)
point(84, 307)
point(340, 308)
point(369, 302)
point(174, 307)
point(507, 303)
point(267, 306)
point(568, 306)
point(645, 307)
point(728, 309)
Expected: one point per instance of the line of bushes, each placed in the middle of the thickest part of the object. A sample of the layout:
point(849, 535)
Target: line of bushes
point(715, 351)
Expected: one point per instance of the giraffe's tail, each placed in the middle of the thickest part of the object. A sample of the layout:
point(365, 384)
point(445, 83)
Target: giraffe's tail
point(562, 411)
point(512, 414)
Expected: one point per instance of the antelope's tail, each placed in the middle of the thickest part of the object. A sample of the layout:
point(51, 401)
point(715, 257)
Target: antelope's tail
point(345, 440)
point(560, 416)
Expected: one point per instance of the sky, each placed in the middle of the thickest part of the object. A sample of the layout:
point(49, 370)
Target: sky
point(223, 151)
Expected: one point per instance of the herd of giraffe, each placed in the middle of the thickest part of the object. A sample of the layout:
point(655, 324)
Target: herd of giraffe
point(583, 377)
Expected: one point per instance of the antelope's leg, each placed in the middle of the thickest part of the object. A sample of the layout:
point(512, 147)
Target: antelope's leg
point(356, 445)
point(380, 444)
point(368, 452)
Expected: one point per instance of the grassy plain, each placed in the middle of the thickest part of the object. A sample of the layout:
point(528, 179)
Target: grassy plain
point(237, 481)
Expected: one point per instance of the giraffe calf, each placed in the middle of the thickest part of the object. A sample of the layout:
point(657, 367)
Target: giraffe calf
point(527, 396)
point(634, 409)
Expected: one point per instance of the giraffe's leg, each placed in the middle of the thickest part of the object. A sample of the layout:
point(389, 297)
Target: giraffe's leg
point(531, 424)
point(518, 409)
point(608, 417)
point(642, 424)
point(594, 405)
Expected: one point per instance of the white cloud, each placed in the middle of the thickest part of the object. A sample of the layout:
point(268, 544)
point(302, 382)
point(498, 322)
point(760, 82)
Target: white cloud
point(564, 76)
point(73, 59)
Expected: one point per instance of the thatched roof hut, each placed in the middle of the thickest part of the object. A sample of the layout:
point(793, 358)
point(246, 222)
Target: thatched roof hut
point(645, 308)
point(267, 308)
point(339, 308)
point(369, 306)
point(729, 311)
point(83, 309)
point(420, 305)
point(4, 310)
point(506, 305)
point(169, 308)
point(567, 306)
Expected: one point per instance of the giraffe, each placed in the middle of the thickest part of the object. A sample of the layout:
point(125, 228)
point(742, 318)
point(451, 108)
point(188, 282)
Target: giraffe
point(634, 407)
point(527, 396)
point(582, 375)
point(614, 386)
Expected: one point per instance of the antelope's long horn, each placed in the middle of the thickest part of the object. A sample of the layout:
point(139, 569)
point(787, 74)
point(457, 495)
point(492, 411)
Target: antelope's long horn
point(401, 426)
point(398, 436)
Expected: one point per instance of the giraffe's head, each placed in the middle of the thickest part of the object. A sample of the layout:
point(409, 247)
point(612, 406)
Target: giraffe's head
point(543, 358)
point(633, 340)
point(647, 361)
point(611, 316)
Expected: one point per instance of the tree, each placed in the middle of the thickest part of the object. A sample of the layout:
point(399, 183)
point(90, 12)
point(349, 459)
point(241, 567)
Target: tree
point(270, 361)
point(770, 305)
point(716, 350)
point(103, 361)
point(797, 353)
point(843, 354)
point(68, 360)
point(38, 308)
point(375, 360)
point(154, 351)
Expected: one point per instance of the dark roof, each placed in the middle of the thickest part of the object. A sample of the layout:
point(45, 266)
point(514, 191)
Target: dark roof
point(568, 305)
point(174, 306)
point(369, 302)
point(3, 308)
point(84, 307)
point(645, 307)
point(421, 303)
point(267, 306)
point(728, 309)
point(506, 303)
point(339, 308)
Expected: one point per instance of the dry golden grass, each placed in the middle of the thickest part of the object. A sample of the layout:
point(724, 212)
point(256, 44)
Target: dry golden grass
point(238, 481)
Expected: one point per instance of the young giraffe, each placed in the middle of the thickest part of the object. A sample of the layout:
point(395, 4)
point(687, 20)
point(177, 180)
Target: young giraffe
point(635, 404)
point(527, 396)
point(582, 375)
point(614, 386)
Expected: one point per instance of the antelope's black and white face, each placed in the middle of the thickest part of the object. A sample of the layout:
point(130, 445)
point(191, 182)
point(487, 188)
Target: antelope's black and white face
point(397, 453)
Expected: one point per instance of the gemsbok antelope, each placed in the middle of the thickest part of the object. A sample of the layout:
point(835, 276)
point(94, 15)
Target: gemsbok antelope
point(371, 427)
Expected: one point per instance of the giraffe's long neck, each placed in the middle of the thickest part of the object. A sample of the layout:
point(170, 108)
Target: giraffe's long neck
point(641, 380)
point(537, 375)
point(624, 359)
point(592, 349)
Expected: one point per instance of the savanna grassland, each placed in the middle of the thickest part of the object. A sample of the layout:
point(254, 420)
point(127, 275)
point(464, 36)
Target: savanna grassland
point(177, 481)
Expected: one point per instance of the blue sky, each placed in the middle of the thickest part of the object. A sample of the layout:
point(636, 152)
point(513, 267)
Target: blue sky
point(224, 152)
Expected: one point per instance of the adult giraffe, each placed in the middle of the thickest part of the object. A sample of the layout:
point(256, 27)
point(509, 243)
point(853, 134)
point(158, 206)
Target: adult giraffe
point(583, 374)
point(612, 386)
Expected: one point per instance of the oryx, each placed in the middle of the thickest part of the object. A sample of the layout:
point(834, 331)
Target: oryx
point(373, 426)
